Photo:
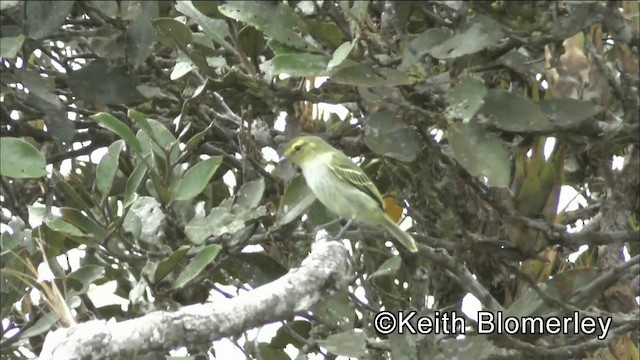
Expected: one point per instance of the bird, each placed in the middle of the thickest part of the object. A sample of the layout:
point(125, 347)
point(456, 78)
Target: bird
point(342, 186)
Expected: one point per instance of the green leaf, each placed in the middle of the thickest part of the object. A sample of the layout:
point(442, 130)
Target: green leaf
point(295, 201)
point(269, 353)
point(61, 226)
point(216, 29)
point(299, 65)
point(42, 18)
point(480, 152)
point(133, 182)
point(141, 35)
point(197, 139)
point(387, 136)
point(277, 20)
point(366, 75)
point(421, 44)
point(44, 324)
point(389, 267)
point(87, 225)
point(284, 337)
point(9, 46)
point(80, 279)
point(338, 309)
point(348, 343)
point(562, 287)
point(220, 221)
point(145, 220)
point(109, 122)
point(478, 33)
point(250, 194)
point(196, 178)
point(511, 112)
point(327, 31)
point(75, 199)
point(466, 99)
point(141, 119)
point(254, 268)
point(100, 82)
point(568, 112)
point(197, 264)
point(20, 159)
point(107, 168)
point(341, 53)
point(167, 265)
point(172, 33)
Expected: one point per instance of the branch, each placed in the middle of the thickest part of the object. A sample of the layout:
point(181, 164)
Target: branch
point(323, 272)
point(457, 270)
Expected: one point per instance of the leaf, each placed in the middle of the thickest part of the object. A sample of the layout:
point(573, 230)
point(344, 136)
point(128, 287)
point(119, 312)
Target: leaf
point(145, 220)
point(133, 182)
point(480, 152)
point(366, 75)
point(478, 33)
point(348, 343)
point(269, 353)
point(197, 139)
point(20, 159)
point(389, 267)
point(220, 221)
point(466, 99)
point(45, 17)
point(141, 35)
point(284, 337)
point(99, 83)
point(42, 96)
point(107, 168)
point(341, 53)
point(141, 119)
point(254, 268)
point(109, 122)
point(196, 178)
point(61, 226)
point(197, 264)
point(562, 286)
point(568, 112)
point(277, 20)
point(326, 31)
point(9, 46)
point(82, 278)
point(510, 112)
point(84, 223)
point(295, 201)
point(250, 194)
point(299, 65)
point(389, 137)
point(172, 33)
point(216, 29)
point(424, 41)
point(73, 196)
point(42, 325)
point(167, 265)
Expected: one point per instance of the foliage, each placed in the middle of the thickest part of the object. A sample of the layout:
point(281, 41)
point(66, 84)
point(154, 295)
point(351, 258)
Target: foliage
point(449, 108)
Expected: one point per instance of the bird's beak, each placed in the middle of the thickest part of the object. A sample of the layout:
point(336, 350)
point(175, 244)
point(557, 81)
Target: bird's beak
point(282, 159)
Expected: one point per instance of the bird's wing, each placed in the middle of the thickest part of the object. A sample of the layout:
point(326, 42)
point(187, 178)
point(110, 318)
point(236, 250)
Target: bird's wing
point(347, 171)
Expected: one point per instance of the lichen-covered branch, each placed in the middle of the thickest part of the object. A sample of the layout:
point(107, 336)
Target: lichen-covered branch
point(324, 271)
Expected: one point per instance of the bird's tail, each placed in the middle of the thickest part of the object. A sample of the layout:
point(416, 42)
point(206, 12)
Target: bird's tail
point(405, 239)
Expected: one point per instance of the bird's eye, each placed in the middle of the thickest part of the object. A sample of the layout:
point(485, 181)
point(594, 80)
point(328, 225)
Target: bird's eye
point(297, 147)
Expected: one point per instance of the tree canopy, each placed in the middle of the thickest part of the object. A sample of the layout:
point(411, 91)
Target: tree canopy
point(144, 209)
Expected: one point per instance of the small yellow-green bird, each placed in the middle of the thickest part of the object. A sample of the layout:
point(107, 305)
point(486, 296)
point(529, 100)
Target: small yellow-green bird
point(342, 186)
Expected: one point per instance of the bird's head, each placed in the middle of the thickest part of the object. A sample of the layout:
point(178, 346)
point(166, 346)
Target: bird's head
point(304, 148)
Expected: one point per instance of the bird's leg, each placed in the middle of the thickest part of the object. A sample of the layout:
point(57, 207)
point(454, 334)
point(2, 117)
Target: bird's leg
point(324, 226)
point(343, 230)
